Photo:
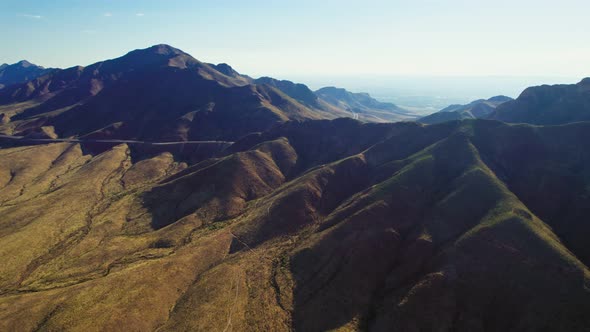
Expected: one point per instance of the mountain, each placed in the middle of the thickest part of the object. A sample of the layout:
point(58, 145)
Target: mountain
point(540, 105)
point(336, 102)
point(478, 109)
point(227, 70)
point(363, 106)
point(159, 93)
point(304, 95)
point(296, 91)
point(548, 105)
point(20, 72)
point(309, 226)
point(157, 192)
point(163, 94)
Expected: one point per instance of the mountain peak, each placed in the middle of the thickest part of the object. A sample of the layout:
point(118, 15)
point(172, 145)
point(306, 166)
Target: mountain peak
point(155, 52)
point(20, 72)
point(225, 69)
point(332, 90)
point(500, 99)
point(25, 64)
point(164, 49)
point(157, 55)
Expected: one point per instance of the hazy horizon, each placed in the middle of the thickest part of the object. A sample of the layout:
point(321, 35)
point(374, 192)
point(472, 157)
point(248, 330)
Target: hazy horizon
point(422, 54)
point(421, 93)
point(426, 94)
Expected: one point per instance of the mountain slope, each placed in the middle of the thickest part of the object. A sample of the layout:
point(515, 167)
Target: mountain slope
point(492, 103)
point(163, 94)
point(333, 102)
point(20, 72)
point(296, 91)
point(227, 70)
point(159, 93)
point(363, 106)
point(309, 226)
point(478, 109)
point(548, 105)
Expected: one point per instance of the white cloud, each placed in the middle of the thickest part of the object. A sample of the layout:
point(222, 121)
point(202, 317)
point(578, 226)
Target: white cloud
point(36, 17)
point(140, 14)
point(107, 14)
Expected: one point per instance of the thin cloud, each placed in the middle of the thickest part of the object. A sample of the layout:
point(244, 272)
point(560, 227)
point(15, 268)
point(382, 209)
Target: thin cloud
point(140, 14)
point(88, 31)
point(107, 14)
point(36, 17)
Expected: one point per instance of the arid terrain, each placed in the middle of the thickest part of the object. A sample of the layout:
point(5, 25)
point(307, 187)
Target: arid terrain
point(310, 226)
point(154, 192)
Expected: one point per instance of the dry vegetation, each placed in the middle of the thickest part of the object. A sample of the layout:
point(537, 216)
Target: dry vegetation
point(325, 225)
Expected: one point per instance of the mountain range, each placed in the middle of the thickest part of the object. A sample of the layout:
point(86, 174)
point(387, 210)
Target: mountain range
point(548, 105)
point(20, 72)
point(363, 106)
point(304, 221)
point(540, 105)
point(313, 226)
point(478, 109)
point(164, 94)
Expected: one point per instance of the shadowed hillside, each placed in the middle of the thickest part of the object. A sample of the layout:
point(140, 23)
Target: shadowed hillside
point(163, 94)
point(539, 105)
point(159, 93)
point(479, 109)
point(548, 105)
point(20, 72)
point(363, 106)
point(313, 226)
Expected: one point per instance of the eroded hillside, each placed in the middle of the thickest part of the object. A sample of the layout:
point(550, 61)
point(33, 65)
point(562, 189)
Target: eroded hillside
point(321, 225)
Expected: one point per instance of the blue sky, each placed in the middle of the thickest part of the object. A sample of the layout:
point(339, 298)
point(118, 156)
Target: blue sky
point(282, 38)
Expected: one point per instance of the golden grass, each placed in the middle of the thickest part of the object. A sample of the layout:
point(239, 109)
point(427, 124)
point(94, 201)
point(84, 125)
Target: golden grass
point(345, 246)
